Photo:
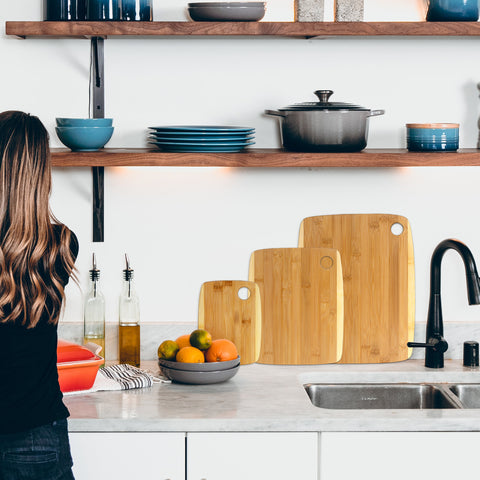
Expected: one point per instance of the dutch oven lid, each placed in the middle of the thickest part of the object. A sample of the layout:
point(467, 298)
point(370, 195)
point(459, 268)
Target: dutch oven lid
point(323, 104)
point(72, 352)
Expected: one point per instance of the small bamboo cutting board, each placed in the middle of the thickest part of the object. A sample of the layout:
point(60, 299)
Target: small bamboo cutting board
point(231, 309)
point(378, 280)
point(302, 304)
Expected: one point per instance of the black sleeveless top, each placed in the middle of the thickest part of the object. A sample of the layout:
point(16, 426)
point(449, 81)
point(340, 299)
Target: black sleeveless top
point(30, 395)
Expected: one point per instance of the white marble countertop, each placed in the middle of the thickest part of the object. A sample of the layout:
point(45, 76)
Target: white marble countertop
point(270, 398)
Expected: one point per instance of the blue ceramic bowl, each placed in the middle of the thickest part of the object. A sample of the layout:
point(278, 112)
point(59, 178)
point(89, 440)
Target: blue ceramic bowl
point(84, 122)
point(452, 11)
point(84, 139)
point(432, 136)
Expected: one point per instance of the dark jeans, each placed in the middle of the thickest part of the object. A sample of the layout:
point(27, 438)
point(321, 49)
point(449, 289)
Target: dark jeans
point(42, 453)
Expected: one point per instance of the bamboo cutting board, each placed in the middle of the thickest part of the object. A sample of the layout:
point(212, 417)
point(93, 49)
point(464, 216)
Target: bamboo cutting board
point(378, 280)
point(302, 304)
point(231, 309)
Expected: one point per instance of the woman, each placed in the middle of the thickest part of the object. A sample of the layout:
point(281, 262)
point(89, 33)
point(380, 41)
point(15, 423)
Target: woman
point(37, 255)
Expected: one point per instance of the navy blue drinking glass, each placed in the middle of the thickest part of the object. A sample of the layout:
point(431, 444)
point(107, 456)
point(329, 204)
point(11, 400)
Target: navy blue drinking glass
point(64, 10)
point(137, 10)
point(99, 10)
point(452, 11)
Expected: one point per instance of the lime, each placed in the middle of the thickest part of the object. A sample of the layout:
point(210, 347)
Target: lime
point(200, 339)
point(168, 350)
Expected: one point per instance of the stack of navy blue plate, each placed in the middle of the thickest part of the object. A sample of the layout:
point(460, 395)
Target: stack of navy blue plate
point(201, 138)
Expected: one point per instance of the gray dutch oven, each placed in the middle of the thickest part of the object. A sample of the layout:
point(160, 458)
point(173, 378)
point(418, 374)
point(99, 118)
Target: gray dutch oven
point(324, 126)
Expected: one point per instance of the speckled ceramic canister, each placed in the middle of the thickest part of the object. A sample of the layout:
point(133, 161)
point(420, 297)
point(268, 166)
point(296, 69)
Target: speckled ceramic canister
point(309, 10)
point(349, 10)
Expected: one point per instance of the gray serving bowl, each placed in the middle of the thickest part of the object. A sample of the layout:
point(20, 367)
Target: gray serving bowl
point(199, 378)
point(199, 367)
point(226, 13)
point(227, 4)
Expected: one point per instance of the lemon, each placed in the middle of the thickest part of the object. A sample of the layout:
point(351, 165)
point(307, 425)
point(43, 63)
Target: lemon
point(200, 339)
point(168, 350)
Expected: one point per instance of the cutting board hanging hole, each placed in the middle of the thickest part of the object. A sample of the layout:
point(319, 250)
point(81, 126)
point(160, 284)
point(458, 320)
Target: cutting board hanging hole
point(243, 293)
point(326, 263)
point(397, 229)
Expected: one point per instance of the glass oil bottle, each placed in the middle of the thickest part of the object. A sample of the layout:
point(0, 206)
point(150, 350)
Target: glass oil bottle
point(94, 311)
point(129, 320)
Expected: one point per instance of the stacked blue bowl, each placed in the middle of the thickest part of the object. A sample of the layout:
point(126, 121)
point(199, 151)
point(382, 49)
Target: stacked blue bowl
point(452, 11)
point(432, 137)
point(84, 134)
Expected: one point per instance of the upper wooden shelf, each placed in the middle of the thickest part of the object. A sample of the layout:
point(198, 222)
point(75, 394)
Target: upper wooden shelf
point(285, 29)
point(264, 158)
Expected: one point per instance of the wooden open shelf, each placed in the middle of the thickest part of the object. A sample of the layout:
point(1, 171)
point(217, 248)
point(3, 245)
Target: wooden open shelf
point(286, 29)
point(264, 158)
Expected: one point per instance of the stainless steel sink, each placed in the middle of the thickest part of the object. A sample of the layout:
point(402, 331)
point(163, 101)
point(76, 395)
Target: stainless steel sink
point(383, 396)
point(468, 394)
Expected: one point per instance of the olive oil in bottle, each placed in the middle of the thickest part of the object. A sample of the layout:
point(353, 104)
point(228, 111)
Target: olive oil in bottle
point(129, 320)
point(94, 311)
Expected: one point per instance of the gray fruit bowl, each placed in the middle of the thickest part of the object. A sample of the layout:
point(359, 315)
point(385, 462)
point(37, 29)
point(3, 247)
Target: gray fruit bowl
point(199, 378)
point(199, 367)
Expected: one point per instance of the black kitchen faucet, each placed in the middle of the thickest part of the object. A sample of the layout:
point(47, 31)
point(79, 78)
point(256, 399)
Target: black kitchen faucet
point(435, 345)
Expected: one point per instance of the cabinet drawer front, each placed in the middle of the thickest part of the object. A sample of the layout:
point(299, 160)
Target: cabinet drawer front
point(398, 455)
point(252, 456)
point(128, 455)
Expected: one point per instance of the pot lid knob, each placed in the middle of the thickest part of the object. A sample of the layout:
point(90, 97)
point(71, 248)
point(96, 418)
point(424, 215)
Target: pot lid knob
point(323, 95)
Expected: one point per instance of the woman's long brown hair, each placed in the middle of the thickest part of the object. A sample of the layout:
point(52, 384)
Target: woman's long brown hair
point(30, 251)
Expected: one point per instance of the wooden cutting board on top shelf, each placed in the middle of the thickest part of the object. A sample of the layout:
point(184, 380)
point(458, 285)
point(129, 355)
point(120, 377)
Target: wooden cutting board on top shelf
point(378, 281)
point(231, 309)
point(302, 304)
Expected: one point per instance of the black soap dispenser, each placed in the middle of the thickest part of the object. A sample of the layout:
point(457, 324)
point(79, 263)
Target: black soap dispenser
point(470, 354)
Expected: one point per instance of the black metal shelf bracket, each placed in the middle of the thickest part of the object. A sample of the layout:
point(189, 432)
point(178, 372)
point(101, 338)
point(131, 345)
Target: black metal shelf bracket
point(97, 110)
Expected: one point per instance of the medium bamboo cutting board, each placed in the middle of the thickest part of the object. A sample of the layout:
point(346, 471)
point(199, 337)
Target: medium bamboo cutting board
point(378, 280)
point(302, 304)
point(226, 313)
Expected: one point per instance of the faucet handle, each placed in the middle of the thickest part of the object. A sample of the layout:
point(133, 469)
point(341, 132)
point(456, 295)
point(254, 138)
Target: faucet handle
point(437, 344)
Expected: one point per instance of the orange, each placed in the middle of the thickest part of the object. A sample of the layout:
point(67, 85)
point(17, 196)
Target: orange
point(168, 350)
point(190, 355)
point(183, 341)
point(221, 351)
point(201, 339)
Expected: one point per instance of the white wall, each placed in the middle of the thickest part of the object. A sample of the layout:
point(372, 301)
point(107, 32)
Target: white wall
point(184, 226)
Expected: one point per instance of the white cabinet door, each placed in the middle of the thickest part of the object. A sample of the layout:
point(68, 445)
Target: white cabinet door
point(399, 455)
point(128, 456)
point(252, 456)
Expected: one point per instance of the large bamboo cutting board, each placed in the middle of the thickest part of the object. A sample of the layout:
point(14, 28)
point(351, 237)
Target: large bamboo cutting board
point(378, 281)
point(231, 309)
point(302, 304)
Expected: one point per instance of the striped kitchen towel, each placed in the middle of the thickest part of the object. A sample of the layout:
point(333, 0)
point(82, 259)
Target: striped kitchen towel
point(129, 377)
point(121, 377)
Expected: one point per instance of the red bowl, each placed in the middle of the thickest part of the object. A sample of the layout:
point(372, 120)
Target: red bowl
point(77, 366)
point(73, 376)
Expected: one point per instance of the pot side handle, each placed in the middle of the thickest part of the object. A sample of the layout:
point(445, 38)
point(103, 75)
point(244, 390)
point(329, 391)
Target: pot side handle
point(374, 113)
point(275, 113)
